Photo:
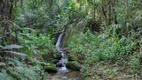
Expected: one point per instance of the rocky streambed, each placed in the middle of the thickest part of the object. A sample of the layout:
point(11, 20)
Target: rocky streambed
point(73, 75)
point(57, 64)
point(63, 65)
point(69, 69)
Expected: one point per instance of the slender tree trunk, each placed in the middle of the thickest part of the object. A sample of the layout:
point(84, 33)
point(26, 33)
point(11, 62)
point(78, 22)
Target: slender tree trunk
point(113, 9)
point(7, 7)
point(104, 12)
point(109, 12)
point(51, 8)
point(22, 7)
point(94, 10)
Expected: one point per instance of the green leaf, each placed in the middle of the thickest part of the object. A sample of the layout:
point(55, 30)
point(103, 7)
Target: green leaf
point(17, 62)
point(29, 52)
point(5, 76)
point(2, 64)
point(2, 76)
point(43, 51)
point(17, 53)
point(12, 46)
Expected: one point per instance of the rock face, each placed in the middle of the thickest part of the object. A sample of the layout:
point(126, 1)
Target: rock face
point(73, 65)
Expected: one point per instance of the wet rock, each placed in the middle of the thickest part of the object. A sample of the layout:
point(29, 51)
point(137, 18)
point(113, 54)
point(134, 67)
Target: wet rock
point(51, 68)
point(62, 70)
point(59, 64)
point(64, 78)
point(49, 79)
point(56, 79)
point(73, 65)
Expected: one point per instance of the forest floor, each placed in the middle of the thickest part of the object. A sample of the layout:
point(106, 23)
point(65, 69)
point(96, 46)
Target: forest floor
point(112, 70)
point(104, 70)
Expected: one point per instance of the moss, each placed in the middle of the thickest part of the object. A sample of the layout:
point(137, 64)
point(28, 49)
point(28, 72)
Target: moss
point(73, 65)
point(54, 61)
point(72, 57)
point(47, 57)
point(51, 68)
point(57, 56)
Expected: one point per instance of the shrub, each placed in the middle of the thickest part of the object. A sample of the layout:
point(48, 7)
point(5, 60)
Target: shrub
point(34, 42)
point(101, 47)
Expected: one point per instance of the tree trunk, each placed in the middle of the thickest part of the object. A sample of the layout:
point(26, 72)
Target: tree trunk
point(109, 12)
point(7, 8)
point(113, 9)
point(94, 10)
point(104, 11)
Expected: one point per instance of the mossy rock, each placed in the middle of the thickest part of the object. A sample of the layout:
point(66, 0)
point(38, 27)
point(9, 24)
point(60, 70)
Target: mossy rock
point(57, 56)
point(72, 57)
point(54, 61)
point(51, 68)
point(46, 57)
point(73, 65)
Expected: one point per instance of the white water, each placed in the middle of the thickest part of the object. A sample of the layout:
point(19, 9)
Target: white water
point(59, 48)
point(60, 42)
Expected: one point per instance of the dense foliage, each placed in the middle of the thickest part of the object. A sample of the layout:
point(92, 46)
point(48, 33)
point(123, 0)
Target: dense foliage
point(104, 37)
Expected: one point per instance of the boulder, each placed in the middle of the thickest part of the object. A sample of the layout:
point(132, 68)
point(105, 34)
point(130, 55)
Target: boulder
point(54, 61)
point(57, 56)
point(73, 65)
point(51, 68)
point(47, 57)
point(59, 64)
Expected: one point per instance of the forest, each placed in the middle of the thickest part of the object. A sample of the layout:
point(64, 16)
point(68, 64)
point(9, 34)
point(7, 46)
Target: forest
point(70, 39)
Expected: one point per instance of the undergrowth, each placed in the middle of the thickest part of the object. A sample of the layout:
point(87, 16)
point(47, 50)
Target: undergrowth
point(28, 62)
point(116, 49)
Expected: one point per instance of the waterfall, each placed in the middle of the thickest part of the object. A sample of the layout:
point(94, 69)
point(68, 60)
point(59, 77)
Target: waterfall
point(60, 41)
point(60, 49)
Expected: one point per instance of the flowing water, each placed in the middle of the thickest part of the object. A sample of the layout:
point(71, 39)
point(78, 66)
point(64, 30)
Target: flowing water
point(60, 50)
point(63, 73)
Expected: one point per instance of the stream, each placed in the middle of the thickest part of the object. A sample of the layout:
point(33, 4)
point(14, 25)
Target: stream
point(60, 49)
point(63, 72)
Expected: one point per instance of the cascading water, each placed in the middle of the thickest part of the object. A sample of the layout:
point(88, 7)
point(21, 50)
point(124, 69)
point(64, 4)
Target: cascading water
point(73, 29)
point(60, 50)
